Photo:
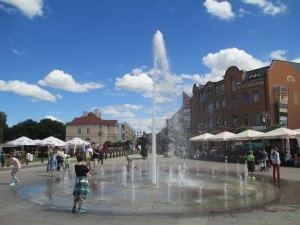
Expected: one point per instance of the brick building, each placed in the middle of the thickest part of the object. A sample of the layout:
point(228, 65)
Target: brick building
point(257, 98)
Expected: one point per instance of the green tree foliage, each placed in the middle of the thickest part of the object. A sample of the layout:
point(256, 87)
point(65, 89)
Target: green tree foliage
point(3, 125)
point(241, 129)
point(36, 130)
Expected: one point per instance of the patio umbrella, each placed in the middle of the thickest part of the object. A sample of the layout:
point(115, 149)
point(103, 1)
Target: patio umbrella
point(202, 137)
point(246, 135)
point(21, 141)
point(221, 137)
point(77, 142)
point(53, 141)
point(281, 132)
point(224, 136)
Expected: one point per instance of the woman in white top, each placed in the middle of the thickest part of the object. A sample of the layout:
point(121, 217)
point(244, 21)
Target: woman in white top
point(276, 163)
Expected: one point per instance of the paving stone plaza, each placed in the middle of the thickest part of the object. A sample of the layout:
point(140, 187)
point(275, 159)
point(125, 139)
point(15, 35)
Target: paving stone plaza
point(17, 208)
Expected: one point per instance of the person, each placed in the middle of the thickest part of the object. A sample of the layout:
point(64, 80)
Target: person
point(263, 158)
point(251, 164)
point(67, 163)
point(60, 159)
point(129, 162)
point(81, 189)
point(16, 168)
point(101, 156)
point(52, 164)
point(288, 159)
point(50, 152)
point(276, 163)
point(95, 157)
point(2, 158)
point(88, 156)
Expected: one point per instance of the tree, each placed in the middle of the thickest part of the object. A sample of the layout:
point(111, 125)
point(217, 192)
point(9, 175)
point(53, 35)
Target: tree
point(53, 128)
point(35, 130)
point(3, 125)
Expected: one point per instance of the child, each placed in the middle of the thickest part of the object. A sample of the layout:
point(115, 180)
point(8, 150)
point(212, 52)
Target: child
point(129, 163)
point(81, 189)
point(17, 166)
point(251, 164)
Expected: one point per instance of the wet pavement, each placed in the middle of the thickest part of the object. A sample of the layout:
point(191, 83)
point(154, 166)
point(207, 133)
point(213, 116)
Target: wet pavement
point(283, 209)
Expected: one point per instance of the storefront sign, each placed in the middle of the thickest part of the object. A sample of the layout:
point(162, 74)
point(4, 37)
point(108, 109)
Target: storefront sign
point(250, 84)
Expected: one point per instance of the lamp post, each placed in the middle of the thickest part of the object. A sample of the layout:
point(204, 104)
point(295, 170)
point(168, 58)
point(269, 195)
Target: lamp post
point(100, 134)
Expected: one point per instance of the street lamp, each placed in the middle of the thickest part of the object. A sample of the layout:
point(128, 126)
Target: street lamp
point(100, 134)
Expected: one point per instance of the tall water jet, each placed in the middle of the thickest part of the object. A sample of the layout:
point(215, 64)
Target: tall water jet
point(161, 66)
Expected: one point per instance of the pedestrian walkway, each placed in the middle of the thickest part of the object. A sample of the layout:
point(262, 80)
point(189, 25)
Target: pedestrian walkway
point(285, 210)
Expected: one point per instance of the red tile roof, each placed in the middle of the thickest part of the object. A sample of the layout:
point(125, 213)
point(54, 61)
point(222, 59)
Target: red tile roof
point(92, 119)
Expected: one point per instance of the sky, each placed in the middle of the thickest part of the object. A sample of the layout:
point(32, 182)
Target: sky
point(59, 58)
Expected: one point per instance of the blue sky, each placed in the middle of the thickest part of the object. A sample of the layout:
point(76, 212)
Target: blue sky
point(59, 58)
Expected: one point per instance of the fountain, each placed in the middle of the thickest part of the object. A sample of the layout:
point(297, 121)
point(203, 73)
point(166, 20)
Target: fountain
point(160, 64)
point(171, 188)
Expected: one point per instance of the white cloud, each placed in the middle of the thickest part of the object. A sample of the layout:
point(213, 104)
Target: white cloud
point(60, 80)
point(297, 60)
point(220, 9)
point(219, 62)
point(24, 89)
point(123, 112)
point(29, 8)
point(137, 81)
point(17, 52)
point(268, 7)
point(53, 118)
point(278, 54)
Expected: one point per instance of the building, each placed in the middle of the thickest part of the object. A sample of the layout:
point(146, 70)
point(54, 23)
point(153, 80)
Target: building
point(257, 98)
point(91, 127)
point(178, 127)
point(126, 133)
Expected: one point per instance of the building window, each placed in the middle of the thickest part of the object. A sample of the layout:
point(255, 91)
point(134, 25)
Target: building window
point(224, 123)
point(209, 123)
point(235, 121)
point(79, 130)
point(223, 103)
point(217, 104)
point(204, 107)
point(88, 130)
point(217, 122)
point(255, 96)
point(220, 89)
point(210, 107)
point(246, 98)
point(257, 119)
point(233, 84)
point(233, 103)
point(209, 93)
point(247, 119)
point(202, 95)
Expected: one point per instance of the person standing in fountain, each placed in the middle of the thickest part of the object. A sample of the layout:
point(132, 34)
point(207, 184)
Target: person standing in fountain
point(52, 164)
point(15, 162)
point(251, 164)
point(129, 163)
point(276, 163)
point(81, 189)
